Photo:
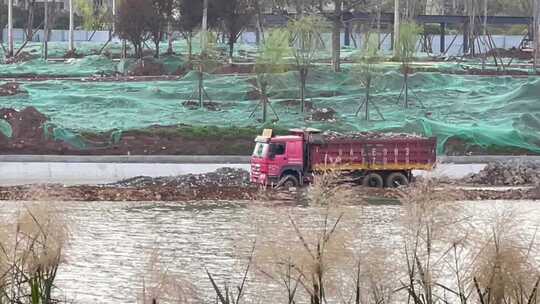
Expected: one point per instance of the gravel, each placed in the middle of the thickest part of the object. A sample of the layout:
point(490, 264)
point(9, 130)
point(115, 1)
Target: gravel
point(331, 135)
point(323, 114)
point(514, 173)
point(223, 177)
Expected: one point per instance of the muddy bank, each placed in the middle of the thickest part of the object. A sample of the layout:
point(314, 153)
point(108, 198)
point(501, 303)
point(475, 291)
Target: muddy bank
point(30, 132)
point(226, 184)
point(222, 193)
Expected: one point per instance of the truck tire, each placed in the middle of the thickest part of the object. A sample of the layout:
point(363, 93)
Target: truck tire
point(373, 180)
point(396, 179)
point(291, 181)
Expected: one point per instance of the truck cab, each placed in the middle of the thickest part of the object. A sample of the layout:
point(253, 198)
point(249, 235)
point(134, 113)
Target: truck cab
point(278, 160)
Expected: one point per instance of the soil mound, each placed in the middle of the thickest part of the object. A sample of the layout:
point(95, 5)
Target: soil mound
point(21, 57)
point(148, 68)
point(27, 131)
point(295, 103)
point(27, 123)
point(323, 114)
point(507, 174)
point(11, 89)
point(73, 54)
point(194, 105)
point(223, 177)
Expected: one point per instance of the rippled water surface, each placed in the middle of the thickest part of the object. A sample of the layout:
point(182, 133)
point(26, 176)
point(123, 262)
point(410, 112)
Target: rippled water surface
point(111, 242)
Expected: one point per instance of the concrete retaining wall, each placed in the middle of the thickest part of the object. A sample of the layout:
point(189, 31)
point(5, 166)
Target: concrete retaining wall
point(73, 173)
point(72, 170)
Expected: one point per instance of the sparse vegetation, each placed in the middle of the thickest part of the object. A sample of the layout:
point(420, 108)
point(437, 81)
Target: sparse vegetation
point(305, 36)
point(405, 52)
point(270, 61)
point(366, 67)
point(31, 251)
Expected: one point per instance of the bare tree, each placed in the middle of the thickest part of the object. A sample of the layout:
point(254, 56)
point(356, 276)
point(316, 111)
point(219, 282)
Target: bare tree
point(305, 42)
point(405, 51)
point(270, 61)
point(366, 64)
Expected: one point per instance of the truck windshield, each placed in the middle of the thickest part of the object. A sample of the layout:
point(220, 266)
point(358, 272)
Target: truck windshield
point(261, 150)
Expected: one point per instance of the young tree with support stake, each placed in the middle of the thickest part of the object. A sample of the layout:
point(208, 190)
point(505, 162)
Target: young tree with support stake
point(305, 41)
point(270, 61)
point(366, 67)
point(191, 14)
point(405, 51)
point(204, 63)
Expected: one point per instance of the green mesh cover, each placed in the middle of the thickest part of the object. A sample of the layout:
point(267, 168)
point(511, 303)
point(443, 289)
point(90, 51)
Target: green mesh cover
point(5, 128)
point(484, 111)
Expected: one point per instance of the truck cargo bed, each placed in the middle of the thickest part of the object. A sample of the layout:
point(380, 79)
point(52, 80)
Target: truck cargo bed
point(371, 152)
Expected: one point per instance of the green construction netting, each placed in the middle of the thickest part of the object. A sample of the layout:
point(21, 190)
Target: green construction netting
point(5, 128)
point(485, 111)
point(102, 65)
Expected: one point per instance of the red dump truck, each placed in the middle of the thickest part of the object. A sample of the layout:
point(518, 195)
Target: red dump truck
point(373, 159)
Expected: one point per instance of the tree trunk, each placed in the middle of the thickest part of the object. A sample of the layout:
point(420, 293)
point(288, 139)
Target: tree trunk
point(336, 36)
point(536, 32)
point(30, 23)
point(46, 31)
point(368, 88)
point(156, 55)
point(260, 30)
point(190, 46)
point(10, 29)
point(204, 26)
point(201, 87)
point(169, 38)
point(264, 104)
point(71, 42)
point(303, 81)
point(396, 27)
point(406, 83)
point(231, 48)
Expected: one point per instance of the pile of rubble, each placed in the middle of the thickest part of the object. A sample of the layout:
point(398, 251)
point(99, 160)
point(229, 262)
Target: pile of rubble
point(323, 114)
point(223, 177)
point(512, 173)
point(11, 89)
point(20, 57)
point(332, 135)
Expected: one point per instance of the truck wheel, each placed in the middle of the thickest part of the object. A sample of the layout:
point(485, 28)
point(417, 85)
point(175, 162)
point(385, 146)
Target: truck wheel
point(396, 179)
point(373, 180)
point(291, 181)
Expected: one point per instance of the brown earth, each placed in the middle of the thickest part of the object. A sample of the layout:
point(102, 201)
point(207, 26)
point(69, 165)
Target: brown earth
point(153, 141)
point(11, 89)
point(249, 193)
point(29, 137)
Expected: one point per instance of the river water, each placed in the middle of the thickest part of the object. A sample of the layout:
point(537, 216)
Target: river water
point(111, 243)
